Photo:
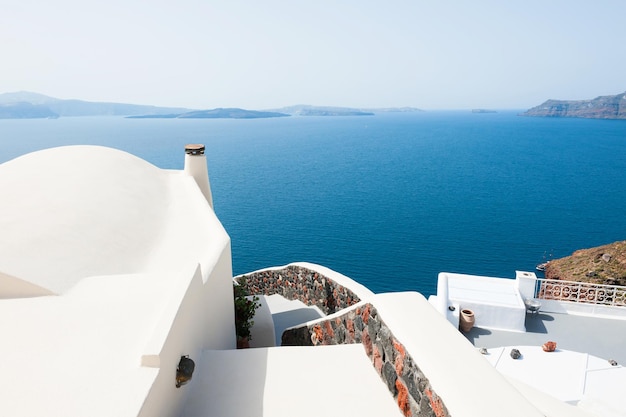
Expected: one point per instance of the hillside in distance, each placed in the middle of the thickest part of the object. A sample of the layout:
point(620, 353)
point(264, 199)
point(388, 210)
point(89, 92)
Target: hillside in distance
point(25, 110)
point(219, 113)
point(603, 107)
point(308, 110)
point(24, 104)
point(29, 105)
point(604, 264)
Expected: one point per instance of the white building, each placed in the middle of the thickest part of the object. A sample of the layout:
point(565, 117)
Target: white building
point(112, 270)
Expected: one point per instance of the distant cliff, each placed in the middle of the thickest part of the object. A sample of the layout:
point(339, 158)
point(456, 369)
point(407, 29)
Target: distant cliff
point(603, 107)
point(25, 110)
point(600, 265)
point(24, 104)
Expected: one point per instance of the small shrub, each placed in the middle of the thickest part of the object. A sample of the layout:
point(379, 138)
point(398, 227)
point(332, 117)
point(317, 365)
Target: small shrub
point(245, 308)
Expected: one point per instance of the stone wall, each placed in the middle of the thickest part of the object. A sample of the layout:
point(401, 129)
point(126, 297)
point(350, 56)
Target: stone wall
point(357, 324)
point(361, 324)
point(298, 283)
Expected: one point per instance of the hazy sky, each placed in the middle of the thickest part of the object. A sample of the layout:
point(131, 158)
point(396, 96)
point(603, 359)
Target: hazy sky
point(437, 54)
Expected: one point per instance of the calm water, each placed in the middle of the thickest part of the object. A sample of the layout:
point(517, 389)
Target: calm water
point(389, 200)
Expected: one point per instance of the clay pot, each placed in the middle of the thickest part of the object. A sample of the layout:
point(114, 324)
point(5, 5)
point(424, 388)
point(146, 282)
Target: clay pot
point(549, 346)
point(467, 320)
point(243, 343)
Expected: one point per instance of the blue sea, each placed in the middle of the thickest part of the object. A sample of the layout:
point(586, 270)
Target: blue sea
point(390, 200)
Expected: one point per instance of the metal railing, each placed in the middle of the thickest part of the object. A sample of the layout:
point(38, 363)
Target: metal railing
point(581, 292)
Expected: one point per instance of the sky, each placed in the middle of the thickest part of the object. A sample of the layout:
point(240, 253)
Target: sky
point(201, 54)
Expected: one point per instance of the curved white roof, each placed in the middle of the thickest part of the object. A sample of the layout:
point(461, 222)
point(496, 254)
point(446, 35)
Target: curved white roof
point(78, 211)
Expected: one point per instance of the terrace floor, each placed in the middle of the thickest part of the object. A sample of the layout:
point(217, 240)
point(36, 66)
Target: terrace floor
point(578, 372)
point(601, 337)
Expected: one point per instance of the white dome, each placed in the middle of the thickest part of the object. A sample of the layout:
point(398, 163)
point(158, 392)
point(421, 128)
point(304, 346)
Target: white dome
point(78, 211)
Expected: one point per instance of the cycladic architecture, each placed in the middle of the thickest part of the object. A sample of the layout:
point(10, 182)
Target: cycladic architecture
point(116, 299)
point(111, 270)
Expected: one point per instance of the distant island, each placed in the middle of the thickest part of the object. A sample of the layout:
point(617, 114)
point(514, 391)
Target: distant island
point(26, 110)
point(28, 105)
point(603, 107)
point(220, 113)
point(236, 113)
point(308, 110)
point(480, 111)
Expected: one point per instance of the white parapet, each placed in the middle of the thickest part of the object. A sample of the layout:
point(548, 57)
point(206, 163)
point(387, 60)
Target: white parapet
point(496, 302)
point(526, 283)
point(458, 374)
point(450, 310)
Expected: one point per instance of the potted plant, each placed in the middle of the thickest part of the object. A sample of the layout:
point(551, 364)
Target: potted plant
point(245, 308)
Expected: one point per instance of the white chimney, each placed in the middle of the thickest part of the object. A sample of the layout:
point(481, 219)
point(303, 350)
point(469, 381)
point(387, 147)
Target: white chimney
point(196, 166)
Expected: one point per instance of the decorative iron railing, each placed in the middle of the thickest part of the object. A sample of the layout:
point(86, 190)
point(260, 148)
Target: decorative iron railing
point(581, 292)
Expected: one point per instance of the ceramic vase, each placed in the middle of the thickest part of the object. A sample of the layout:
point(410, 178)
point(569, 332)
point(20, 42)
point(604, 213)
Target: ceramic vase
point(467, 320)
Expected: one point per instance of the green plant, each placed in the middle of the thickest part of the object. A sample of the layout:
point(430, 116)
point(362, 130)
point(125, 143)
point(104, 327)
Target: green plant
point(245, 308)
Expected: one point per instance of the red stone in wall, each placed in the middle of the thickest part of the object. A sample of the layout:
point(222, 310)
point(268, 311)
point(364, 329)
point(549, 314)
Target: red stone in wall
point(350, 328)
point(400, 354)
point(330, 334)
point(317, 332)
point(365, 315)
point(435, 403)
point(403, 398)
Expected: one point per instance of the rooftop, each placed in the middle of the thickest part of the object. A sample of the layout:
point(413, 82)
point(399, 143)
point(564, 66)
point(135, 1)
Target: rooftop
point(598, 336)
point(579, 372)
point(586, 368)
point(286, 381)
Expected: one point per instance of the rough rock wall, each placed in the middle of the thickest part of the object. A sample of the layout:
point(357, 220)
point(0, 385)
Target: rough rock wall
point(362, 324)
point(357, 324)
point(297, 283)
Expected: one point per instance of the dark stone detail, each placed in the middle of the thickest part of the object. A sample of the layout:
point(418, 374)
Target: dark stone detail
point(194, 149)
point(515, 354)
point(358, 322)
point(297, 337)
point(340, 333)
point(412, 385)
point(373, 326)
point(184, 371)
point(389, 376)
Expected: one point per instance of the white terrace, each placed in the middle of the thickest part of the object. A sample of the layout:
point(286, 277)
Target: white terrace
point(588, 322)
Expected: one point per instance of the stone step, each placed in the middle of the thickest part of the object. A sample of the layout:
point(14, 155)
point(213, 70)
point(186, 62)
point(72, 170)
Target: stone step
point(334, 380)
